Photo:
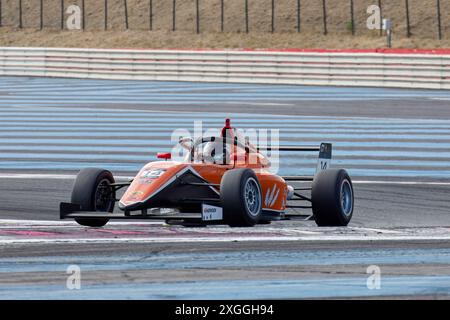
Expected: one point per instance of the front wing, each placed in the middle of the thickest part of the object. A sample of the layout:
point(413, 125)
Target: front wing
point(73, 211)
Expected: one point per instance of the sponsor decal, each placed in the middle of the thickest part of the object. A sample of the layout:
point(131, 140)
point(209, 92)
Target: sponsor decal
point(271, 196)
point(210, 213)
point(135, 195)
point(146, 181)
point(285, 195)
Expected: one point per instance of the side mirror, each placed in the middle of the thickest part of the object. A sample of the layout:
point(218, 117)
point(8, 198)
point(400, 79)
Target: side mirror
point(165, 156)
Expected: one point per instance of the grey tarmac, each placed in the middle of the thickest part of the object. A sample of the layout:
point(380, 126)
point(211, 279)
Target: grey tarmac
point(376, 204)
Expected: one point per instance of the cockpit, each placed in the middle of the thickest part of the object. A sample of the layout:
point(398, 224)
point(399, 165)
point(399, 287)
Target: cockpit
point(230, 146)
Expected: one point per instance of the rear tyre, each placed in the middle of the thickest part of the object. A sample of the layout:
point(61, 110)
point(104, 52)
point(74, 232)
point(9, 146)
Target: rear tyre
point(241, 198)
point(93, 192)
point(332, 198)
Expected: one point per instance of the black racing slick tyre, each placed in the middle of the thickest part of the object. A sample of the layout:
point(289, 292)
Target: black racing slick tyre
point(332, 198)
point(241, 198)
point(92, 191)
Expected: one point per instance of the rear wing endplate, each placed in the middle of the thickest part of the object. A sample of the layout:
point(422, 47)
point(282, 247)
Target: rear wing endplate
point(324, 161)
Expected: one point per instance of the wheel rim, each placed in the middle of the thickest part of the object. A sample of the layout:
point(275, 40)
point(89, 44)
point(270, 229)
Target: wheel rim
point(346, 198)
point(103, 196)
point(252, 197)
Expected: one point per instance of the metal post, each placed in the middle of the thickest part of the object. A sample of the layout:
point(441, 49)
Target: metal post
point(41, 14)
point(408, 28)
point(197, 10)
point(352, 14)
point(438, 7)
point(246, 16)
point(20, 15)
point(389, 38)
point(273, 16)
point(83, 14)
point(125, 4)
point(388, 28)
point(106, 15)
point(222, 15)
point(1, 13)
point(174, 15)
point(324, 8)
point(62, 14)
point(151, 14)
point(381, 17)
point(298, 15)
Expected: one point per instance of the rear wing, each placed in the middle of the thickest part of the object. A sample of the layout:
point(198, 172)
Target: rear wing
point(324, 161)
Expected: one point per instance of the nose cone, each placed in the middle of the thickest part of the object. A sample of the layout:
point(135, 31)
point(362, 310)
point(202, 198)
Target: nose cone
point(148, 182)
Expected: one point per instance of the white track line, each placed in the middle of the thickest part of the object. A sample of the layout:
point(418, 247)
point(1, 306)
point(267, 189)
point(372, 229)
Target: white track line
point(406, 183)
point(438, 234)
point(259, 103)
point(66, 223)
point(383, 231)
point(226, 239)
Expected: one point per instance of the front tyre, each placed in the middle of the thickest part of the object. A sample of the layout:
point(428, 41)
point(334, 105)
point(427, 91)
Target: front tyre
point(93, 192)
point(241, 198)
point(332, 198)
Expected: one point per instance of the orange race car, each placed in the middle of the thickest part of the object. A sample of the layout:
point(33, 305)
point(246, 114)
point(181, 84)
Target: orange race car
point(224, 179)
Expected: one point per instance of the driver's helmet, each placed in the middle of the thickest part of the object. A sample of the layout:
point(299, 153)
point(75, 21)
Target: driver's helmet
point(213, 153)
point(213, 150)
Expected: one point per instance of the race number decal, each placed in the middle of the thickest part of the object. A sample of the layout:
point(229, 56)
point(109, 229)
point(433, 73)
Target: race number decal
point(324, 157)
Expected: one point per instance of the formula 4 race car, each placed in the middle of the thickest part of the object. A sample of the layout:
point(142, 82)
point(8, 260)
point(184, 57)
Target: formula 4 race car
point(222, 180)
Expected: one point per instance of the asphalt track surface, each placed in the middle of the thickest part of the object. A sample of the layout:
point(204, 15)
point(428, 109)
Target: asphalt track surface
point(395, 144)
